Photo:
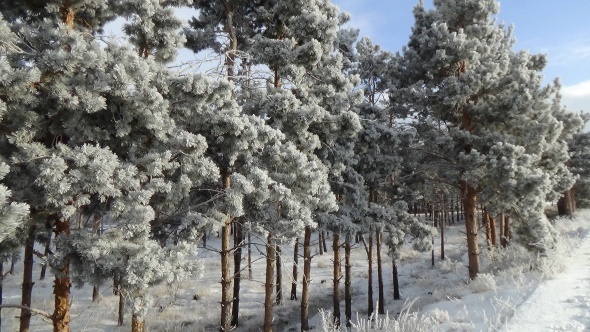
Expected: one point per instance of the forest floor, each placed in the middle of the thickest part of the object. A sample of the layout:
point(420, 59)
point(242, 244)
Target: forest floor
point(439, 297)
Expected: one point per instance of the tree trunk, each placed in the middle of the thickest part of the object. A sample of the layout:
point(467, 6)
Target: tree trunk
point(61, 288)
point(238, 242)
point(249, 255)
point(501, 228)
point(295, 262)
point(46, 253)
point(442, 237)
point(381, 299)
point(137, 324)
point(433, 225)
point(226, 277)
point(279, 281)
point(470, 208)
point(395, 277)
point(268, 286)
point(336, 289)
point(121, 312)
point(13, 260)
point(27, 286)
point(564, 204)
point(486, 221)
point(324, 241)
point(320, 243)
point(306, 280)
point(347, 283)
point(493, 231)
point(506, 231)
point(370, 308)
point(95, 294)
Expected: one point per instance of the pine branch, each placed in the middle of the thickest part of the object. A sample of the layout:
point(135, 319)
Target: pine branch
point(32, 310)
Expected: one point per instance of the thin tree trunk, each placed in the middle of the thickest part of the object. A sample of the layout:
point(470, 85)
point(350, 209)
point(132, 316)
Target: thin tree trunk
point(336, 281)
point(347, 283)
point(238, 242)
point(306, 280)
point(381, 299)
point(506, 231)
point(470, 208)
point(324, 241)
point(121, 312)
point(137, 324)
point(61, 288)
point(249, 255)
point(27, 286)
point(501, 228)
point(493, 231)
point(226, 277)
point(13, 260)
point(268, 287)
point(564, 204)
point(320, 243)
point(395, 277)
point(95, 294)
point(295, 262)
point(486, 221)
point(433, 225)
point(46, 253)
point(370, 307)
point(279, 281)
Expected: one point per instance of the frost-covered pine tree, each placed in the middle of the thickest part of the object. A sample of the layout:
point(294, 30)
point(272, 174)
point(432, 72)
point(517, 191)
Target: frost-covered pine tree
point(459, 77)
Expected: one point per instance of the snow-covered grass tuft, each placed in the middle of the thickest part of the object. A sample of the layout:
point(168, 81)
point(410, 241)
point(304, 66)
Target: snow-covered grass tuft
point(406, 322)
point(484, 282)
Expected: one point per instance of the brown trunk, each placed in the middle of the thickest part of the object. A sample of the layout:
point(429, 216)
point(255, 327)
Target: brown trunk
point(226, 277)
point(320, 243)
point(381, 299)
point(249, 255)
point(564, 204)
point(121, 312)
point(573, 199)
point(238, 243)
point(470, 208)
point(27, 286)
point(501, 228)
point(493, 231)
point(61, 288)
point(295, 262)
point(487, 223)
point(395, 277)
point(95, 294)
point(324, 241)
point(370, 308)
point(268, 286)
point(506, 231)
point(336, 281)
point(347, 283)
point(279, 281)
point(306, 280)
point(442, 237)
point(1, 289)
point(137, 324)
point(13, 260)
point(46, 253)
point(433, 225)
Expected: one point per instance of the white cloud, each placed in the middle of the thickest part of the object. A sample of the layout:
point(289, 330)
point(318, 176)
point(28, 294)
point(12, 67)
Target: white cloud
point(581, 89)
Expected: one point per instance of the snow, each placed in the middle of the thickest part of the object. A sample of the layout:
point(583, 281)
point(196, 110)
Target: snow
point(517, 291)
point(560, 304)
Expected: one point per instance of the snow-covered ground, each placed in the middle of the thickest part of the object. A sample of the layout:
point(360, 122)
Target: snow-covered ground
point(439, 298)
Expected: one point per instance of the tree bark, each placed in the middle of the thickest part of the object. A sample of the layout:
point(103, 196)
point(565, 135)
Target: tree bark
point(370, 307)
point(306, 280)
point(137, 324)
point(324, 241)
point(442, 237)
point(433, 225)
point(95, 294)
point(226, 277)
point(62, 285)
point(27, 286)
point(381, 299)
point(506, 231)
point(46, 253)
point(268, 286)
point(121, 312)
point(564, 204)
point(238, 242)
point(13, 260)
point(320, 243)
point(249, 255)
point(336, 281)
point(493, 231)
point(488, 224)
point(395, 277)
point(295, 262)
point(347, 283)
point(470, 208)
point(279, 281)
point(1, 289)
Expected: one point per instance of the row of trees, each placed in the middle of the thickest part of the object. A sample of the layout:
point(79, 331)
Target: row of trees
point(303, 126)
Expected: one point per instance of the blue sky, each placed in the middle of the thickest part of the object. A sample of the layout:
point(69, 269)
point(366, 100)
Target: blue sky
point(559, 29)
